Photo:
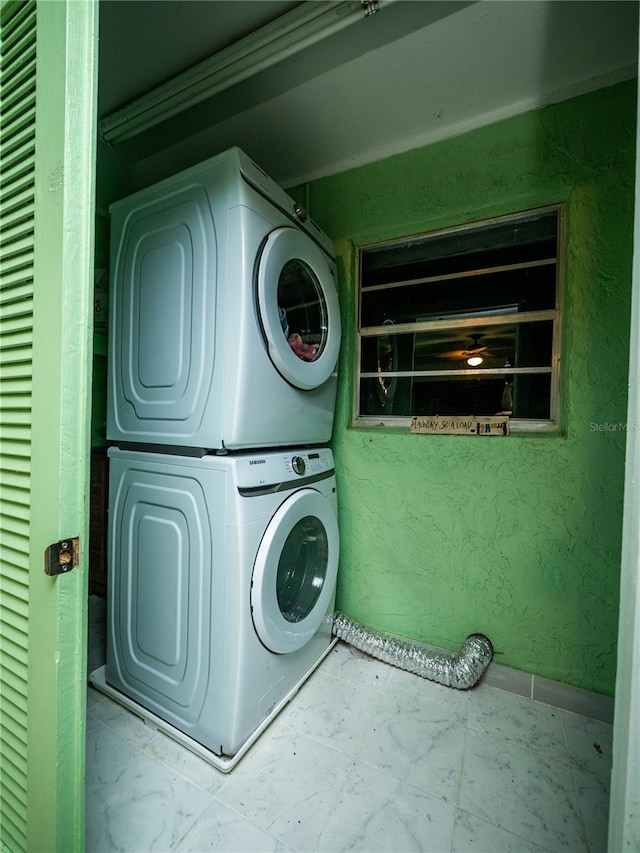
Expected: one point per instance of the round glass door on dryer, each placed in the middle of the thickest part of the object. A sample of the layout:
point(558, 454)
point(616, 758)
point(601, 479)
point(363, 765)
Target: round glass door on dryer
point(294, 576)
point(299, 310)
point(281, 390)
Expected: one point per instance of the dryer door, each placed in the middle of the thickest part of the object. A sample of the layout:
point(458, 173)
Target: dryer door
point(299, 311)
point(294, 576)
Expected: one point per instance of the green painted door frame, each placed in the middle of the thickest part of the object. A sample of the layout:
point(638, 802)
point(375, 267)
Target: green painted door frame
point(63, 332)
point(55, 439)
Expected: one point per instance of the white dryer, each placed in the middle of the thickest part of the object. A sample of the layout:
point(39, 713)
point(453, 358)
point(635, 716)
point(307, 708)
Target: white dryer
point(222, 574)
point(225, 325)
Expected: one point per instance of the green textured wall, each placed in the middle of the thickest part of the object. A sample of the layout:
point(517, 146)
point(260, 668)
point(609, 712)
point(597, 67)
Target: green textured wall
point(518, 538)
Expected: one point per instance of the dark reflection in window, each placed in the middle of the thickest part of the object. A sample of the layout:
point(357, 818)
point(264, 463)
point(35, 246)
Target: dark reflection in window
point(463, 278)
point(511, 291)
point(523, 396)
point(527, 239)
point(509, 345)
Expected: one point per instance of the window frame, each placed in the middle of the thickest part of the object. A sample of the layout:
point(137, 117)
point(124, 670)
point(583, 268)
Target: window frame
point(517, 425)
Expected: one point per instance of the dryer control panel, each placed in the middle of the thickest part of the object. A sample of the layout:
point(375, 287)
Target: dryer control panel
point(277, 468)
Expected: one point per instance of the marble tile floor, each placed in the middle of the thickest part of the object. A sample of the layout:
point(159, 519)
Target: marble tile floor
point(367, 758)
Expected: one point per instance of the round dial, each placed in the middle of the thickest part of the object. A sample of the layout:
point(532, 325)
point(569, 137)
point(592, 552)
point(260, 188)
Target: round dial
point(297, 463)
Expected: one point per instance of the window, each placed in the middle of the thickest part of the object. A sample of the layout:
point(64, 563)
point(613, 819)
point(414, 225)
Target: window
point(463, 322)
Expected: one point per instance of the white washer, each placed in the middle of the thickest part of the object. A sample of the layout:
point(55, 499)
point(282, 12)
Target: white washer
point(225, 325)
point(221, 585)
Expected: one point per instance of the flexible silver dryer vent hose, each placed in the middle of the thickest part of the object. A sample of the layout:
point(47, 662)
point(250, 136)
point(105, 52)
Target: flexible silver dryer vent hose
point(461, 670)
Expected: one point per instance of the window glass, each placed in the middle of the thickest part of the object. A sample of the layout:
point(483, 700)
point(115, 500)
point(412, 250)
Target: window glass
point(509, 291)
point(527, 239)
point(498, 346)
point(303, 310)
point(517, 396)
point(463, 322)
point(302, 569)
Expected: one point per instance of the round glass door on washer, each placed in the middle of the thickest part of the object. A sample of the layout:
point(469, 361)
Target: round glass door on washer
point(225, 324)
point(295, 571)
point(222, 579)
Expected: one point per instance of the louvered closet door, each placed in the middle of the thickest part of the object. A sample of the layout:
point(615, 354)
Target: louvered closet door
point(17, 132)
point(47, 125)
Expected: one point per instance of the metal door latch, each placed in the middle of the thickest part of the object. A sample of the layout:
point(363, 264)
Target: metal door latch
point(62, 556)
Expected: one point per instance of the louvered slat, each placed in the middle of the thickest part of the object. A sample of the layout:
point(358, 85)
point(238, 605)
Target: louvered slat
point(16, 230)
point(14, 277)
point(9, 400)
point(21, 267)
point(12, 797)
point(14, 665)
point(17, 115)
point(16, 339)
point(11, 831)
point(19, 15)
point(16, 413)
point(9, 432)
point(13, 672)
point(16, 497)
point(20, 145)
point(10, 761)
point(15, 57)
point(16, 47)
point(13, 479)
point(12, 627)
point(19, 387)
point(22, 85)
point(16, 176)
point(13, 783)
point(21, 92)
point(19, 719)
point(14, 593)
point(17, 245)
point(17, 127)
point(18, 198)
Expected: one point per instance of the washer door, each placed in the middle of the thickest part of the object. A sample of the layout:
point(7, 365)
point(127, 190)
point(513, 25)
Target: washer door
point(294, 575)
point(298, 305)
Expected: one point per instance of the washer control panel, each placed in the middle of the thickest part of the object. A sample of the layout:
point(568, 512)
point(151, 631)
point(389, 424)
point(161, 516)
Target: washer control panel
point(277, 467)
point(309, 462)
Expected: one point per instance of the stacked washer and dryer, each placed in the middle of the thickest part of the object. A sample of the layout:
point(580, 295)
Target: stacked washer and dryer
point(223, 532)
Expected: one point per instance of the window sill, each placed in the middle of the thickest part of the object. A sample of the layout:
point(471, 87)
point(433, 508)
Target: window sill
point(525, 428)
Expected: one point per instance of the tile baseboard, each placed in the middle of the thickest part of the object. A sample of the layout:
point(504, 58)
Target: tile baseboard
point(539, 689)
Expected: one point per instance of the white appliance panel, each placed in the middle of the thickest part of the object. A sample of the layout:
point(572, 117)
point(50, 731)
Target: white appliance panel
point(161, 605)
point(206, 266)
point(163, 321)
point(185, 540)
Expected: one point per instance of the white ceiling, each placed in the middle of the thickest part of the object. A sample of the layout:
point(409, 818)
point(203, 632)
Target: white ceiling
point(415, 72)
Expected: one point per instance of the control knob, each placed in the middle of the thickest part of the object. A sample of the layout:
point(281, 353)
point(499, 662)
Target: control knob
point(298, 465)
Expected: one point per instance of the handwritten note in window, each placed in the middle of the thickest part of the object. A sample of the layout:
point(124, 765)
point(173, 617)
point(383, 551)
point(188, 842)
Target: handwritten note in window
point(460, 425)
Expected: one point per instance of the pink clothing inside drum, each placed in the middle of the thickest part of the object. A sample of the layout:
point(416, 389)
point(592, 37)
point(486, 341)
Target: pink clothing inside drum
point(307, 352)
